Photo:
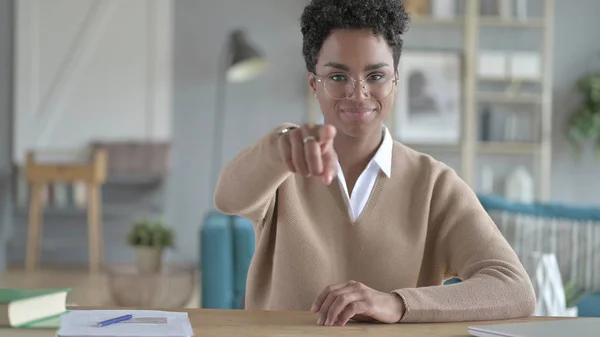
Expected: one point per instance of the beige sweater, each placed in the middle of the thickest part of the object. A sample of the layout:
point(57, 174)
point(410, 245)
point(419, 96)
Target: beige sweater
point(420, 226)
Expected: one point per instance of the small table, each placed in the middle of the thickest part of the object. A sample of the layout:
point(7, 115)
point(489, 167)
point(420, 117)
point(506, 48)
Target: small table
point(255, 323)
point(91, 172)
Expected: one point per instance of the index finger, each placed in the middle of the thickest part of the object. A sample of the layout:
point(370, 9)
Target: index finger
point(326, 133)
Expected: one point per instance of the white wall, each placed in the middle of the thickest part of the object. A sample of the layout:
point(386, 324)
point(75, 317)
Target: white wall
point(6, 63)
point(576, 54)
point(91, 70)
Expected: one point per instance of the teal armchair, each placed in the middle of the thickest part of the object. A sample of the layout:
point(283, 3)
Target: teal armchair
point(227, 246)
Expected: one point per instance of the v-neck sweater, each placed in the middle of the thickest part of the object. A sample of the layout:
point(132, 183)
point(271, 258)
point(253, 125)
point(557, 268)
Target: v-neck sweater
point(420, 226)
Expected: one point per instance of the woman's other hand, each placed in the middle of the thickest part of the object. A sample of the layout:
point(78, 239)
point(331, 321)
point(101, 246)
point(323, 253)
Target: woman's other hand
point(308, 151)
point(339, 303)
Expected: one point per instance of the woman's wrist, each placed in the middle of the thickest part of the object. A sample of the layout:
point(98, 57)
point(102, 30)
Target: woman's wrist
point(400, 306)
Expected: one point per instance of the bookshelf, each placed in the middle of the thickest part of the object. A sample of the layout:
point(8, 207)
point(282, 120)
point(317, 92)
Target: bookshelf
point(536, 104)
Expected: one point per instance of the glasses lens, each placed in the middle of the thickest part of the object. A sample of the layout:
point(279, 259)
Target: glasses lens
point(380, 86)
point(340, 86)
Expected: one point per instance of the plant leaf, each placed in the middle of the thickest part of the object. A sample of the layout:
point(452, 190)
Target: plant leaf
point(146, 232)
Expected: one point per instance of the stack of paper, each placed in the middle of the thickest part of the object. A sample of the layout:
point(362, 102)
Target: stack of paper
point(84, 323)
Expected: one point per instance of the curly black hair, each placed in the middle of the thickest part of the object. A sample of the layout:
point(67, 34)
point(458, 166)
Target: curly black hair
point(386, 18)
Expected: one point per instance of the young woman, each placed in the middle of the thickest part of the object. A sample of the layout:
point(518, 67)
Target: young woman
point(350, 223)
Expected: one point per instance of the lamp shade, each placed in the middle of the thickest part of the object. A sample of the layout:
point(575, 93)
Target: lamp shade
point(246, 61)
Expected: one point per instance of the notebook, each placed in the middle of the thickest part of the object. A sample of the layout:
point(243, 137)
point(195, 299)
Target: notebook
point(83, 323)
point(582, 327)
point(23, 308)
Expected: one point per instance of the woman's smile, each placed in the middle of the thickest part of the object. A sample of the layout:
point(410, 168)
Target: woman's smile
point(358, 114)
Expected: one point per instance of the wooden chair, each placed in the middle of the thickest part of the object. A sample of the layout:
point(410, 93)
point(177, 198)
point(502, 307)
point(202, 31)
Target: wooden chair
point(93, 174)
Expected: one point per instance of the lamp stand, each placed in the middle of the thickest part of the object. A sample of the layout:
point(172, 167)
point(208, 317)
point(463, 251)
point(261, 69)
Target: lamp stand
point(219, 119)
point(240, 62)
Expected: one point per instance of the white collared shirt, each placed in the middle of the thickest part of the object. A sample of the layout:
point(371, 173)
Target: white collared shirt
point(382, 160)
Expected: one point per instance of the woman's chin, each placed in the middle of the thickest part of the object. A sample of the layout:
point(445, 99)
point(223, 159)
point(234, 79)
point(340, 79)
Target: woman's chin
point(357, 129)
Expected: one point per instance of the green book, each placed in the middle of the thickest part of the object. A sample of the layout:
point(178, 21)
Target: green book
point(32, 308)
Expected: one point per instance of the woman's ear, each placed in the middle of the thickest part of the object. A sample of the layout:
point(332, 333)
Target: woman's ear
point(312, 83)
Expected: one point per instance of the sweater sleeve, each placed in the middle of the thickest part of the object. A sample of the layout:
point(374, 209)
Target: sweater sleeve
point(247, 184)
point(466, 242)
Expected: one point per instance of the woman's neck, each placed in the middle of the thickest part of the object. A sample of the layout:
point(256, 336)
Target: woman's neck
point(355, 154)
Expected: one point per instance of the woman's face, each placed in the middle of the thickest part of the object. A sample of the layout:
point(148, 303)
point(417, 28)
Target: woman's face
point(362, 56)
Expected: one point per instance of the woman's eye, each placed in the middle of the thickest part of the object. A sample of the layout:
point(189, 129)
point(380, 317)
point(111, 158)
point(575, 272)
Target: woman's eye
point(338, 77)
point(376, 77)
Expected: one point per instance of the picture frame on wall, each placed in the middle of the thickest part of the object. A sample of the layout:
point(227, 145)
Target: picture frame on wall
point(429, 98)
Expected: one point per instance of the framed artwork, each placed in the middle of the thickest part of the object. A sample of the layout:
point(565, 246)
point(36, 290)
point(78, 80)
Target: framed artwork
point(429, 97)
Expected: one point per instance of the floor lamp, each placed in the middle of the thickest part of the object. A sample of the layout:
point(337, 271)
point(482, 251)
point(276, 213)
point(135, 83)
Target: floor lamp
point(242, 62)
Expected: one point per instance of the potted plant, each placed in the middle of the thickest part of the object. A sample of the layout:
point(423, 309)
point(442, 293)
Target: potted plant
point(150, 238)
point(585, 121)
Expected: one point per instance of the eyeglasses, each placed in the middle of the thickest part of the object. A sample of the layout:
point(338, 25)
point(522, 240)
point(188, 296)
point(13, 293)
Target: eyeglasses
point(341, 86)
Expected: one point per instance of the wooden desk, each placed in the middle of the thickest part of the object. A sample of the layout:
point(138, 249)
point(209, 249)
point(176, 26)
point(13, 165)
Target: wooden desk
point(236, 323)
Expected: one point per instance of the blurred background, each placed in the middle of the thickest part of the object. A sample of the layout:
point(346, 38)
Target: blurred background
point(116, 116)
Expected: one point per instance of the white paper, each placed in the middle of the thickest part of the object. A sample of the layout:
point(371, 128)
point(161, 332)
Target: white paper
point(83, 323)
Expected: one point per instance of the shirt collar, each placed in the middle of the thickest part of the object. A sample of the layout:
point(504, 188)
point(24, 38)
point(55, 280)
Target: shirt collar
point(383, 156)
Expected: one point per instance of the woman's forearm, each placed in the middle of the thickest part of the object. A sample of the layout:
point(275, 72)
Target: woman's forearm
point(464, 241)
point(249, 181)
point(500, 291)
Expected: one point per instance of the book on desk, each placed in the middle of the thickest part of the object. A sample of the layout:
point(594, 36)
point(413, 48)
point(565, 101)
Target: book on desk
point(32, 308)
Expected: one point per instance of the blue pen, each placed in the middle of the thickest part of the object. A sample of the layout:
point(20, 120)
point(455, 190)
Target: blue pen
point(115, 320)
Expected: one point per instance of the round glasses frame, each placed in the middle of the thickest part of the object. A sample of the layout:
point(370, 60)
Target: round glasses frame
point(362, 82)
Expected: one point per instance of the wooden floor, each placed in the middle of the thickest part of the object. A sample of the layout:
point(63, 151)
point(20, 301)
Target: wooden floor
point(87, 289)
